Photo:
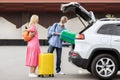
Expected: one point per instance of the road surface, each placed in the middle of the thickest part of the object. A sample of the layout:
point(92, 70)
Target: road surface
point(12, 60)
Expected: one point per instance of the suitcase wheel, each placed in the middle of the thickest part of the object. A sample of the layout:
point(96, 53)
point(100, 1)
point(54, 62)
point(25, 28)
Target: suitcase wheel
point(42, 76)
point(39, 75)
point(51, 75)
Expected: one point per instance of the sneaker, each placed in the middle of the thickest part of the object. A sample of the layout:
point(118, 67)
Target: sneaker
point(32, 75)
point(61, 73)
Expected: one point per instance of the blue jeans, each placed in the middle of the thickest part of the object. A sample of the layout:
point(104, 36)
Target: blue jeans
point(58, 54)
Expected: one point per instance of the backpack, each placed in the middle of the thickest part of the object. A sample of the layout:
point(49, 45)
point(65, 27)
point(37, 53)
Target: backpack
point(25, 35)
point(49, 35)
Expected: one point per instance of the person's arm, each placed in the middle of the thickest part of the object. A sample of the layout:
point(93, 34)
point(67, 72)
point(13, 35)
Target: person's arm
point(56, 33)
point(31, 31)
point(52, 29)
point(31, 34)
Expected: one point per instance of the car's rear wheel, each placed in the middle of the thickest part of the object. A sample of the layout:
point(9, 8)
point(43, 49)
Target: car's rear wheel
point(104, 66)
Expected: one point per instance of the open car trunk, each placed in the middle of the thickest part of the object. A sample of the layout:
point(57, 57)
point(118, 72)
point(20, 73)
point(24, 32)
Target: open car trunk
point(79, 10)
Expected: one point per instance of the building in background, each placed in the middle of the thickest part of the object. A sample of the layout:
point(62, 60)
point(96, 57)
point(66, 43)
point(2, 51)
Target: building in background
point(15, 14)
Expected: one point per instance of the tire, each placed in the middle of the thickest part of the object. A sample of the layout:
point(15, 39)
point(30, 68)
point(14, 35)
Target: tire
point(104, 67)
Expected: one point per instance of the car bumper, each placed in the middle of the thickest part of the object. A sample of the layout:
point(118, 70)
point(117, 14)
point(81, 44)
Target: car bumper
point(76, 59)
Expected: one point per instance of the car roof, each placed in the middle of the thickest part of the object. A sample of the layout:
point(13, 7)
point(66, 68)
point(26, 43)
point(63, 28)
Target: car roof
point(110, 19)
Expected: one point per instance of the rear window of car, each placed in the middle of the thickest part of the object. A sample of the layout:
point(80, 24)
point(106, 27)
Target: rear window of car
point(110, 29)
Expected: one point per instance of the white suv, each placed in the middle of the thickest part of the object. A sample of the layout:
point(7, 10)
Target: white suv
point(97, 47)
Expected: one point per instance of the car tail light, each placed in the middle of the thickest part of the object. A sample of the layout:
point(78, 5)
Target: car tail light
point(80, 36)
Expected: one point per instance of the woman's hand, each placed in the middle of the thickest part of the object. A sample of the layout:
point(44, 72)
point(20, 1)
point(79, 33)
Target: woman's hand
point(31, 34)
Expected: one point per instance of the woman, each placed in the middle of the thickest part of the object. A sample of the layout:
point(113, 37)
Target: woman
point(33, 47)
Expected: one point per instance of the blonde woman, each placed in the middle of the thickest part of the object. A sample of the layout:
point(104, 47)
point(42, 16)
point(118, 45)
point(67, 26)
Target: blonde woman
point(33, 47)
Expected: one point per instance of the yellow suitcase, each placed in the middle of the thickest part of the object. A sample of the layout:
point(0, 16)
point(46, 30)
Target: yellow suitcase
point(46, 65)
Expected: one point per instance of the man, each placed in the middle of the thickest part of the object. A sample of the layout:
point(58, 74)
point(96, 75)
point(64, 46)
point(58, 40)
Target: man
point(55, 42)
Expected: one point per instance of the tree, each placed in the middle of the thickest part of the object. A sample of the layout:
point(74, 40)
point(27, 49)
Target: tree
point(110, 16)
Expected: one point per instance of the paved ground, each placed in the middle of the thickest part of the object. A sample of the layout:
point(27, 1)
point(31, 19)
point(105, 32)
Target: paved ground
point(12, 66)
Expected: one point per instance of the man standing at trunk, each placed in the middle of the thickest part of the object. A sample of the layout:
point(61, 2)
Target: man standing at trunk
point(55, 42)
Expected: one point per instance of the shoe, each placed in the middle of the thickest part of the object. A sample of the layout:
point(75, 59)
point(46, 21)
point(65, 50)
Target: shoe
point(61, 73)
point(32, 75)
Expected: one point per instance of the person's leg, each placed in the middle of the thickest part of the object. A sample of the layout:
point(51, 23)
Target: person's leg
point(51, 49)
point(32, 72)
point(58, 62)
point(32, 69)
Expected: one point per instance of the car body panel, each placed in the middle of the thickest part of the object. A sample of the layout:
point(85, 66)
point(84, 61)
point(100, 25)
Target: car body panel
point(85, 47)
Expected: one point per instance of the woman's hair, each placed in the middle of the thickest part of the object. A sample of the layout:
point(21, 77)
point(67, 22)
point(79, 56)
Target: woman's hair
point(33, 20)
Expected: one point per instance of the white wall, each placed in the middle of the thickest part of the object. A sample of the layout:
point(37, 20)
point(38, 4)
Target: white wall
point(8, 30)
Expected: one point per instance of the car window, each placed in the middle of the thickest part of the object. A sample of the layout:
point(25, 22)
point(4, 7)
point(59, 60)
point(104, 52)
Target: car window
point(106, 29)
point(116, 30)
point(110, 29)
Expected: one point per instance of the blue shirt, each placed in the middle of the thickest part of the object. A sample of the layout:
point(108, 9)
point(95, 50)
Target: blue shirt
point(55, 40)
